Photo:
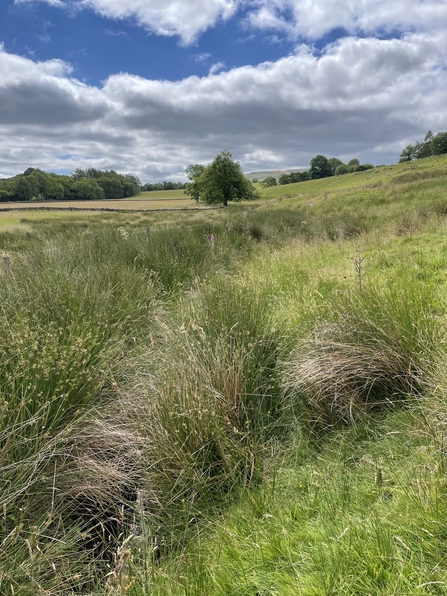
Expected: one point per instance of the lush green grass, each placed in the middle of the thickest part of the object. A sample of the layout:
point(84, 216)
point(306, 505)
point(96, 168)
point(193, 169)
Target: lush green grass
point(264, 414)
point(361, 513)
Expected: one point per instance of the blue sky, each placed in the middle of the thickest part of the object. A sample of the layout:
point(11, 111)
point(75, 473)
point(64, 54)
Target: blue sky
point(97, 47)
point(149, 86)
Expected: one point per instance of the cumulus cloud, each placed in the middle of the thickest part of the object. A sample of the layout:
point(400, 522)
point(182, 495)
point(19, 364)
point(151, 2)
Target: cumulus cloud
point(297, 19)
point(360, 97)
point(42, 94)
point(187, 19)
point(311, 19)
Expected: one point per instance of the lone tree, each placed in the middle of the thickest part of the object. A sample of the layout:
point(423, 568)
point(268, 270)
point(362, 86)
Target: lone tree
point(221, 182)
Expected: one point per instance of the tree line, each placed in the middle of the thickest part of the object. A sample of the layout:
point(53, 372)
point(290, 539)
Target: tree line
point(430, 146)
point(82, 185)
point(165, 185)
point(320, 167)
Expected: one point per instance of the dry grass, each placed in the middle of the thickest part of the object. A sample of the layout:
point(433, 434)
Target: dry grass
point(133, 203)
point(376, 352)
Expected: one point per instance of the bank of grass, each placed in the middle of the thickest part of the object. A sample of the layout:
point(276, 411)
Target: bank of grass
point(353, 493)
point(188, 417)
point(362, 512)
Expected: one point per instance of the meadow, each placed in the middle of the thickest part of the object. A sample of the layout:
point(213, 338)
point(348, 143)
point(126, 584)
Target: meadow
point(163, 199)
point(264, 414)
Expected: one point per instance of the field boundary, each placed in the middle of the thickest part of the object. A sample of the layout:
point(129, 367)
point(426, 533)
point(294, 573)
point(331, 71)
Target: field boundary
point(108, 209)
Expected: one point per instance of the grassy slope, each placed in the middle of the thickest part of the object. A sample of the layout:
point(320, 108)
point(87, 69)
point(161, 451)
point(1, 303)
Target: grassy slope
point(352, 510)
point(363, 510)
point(263, 174)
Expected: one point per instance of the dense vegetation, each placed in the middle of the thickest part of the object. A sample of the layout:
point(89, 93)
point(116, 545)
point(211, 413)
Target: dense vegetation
point(165, 185)
point(430, 146)
point(262, 414)
point(320, 167)
point(82, 185)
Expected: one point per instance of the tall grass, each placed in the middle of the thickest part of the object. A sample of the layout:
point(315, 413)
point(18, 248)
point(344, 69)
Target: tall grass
point(145, 379)
point(65, 333)
point(378, 349)
point(208, 405)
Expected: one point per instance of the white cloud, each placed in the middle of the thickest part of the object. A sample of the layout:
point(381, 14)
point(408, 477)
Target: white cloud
point(297, 19)
point(201, 58)
point(42, 94)
point(185, 18)
point(311, 19)
point(360, 97)
point(58, 3)
point(215, 68)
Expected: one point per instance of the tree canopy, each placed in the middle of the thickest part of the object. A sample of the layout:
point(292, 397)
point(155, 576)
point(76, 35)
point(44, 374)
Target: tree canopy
point(82, 185)
point(221, 181)
point(431, 145)
point(334, 162)
point(320, 167)
point(269, 181)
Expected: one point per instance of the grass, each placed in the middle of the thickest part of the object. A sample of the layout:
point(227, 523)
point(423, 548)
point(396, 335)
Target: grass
point(133, 203)
point(361, 513)
point(260, 415)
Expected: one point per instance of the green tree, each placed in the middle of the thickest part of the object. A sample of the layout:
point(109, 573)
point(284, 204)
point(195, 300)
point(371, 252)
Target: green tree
point(334, 162)
point(422, 150)
point(194, 171)
point(284, 179)
point(111, 186)
point(86, 189)
point(131, 185)
point(269, 181)
point(319, 167)
point(341, 169)
point(223, 181)
point(41, 182)
point(295, 177)
point(25, 189)
point(54, 190)
point(438, 144)
point(407, 154)
point(354, 162)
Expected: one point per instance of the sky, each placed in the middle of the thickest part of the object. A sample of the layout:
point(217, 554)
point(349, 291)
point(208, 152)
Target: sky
point(151, 86)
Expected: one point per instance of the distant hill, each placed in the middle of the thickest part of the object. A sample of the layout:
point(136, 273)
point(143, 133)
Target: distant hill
point(262, 175)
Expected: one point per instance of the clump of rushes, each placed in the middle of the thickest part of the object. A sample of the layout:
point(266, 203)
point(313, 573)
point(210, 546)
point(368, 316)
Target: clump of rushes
point(378, 350)
point(209, 406)
point(65, 333)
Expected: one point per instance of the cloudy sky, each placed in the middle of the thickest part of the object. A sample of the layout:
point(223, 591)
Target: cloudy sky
point(150, 86)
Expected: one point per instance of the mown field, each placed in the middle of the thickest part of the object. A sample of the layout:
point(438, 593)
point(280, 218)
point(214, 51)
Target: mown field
point(262, 415)
point(164, 199)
